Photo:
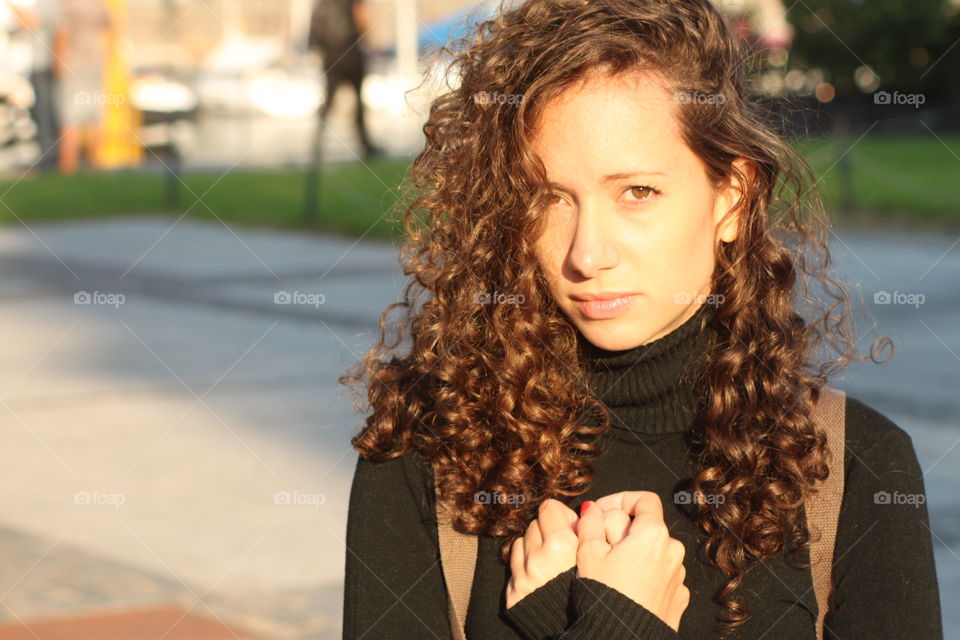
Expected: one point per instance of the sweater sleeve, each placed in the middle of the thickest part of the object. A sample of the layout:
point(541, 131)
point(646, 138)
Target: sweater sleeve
point(393, 586)
point(605, 612)
point(576, 608)
point(545, 611)
point(886, 582)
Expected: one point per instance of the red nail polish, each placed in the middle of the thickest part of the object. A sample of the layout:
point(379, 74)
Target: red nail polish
point(584, 505)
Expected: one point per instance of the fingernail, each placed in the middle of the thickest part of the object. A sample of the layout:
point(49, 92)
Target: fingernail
point(584, 505)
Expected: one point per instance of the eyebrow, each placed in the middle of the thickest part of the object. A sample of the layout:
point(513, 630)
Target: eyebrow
point(619, 176)
point(623, 176)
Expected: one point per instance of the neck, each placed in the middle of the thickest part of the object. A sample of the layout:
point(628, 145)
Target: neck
point(649, 388)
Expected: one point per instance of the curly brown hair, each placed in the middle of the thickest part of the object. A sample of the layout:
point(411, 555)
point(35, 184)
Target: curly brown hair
point(495, 395)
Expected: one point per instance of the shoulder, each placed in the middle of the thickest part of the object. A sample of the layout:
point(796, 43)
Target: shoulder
point(883, 514)
point(867, 428)
point(878, 451)
point(402, 480)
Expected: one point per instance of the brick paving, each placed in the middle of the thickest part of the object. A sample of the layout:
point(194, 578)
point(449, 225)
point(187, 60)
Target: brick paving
point(169, 623)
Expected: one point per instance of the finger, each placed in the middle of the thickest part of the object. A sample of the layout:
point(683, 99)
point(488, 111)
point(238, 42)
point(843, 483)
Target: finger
point(590, 529)
point(634, 503)
point(516, 555)
point(612, 501)
point(647, 504)
point(534, 536)
point(554, 517)
point(649, 514)
point(572, 516)
point(616, 523)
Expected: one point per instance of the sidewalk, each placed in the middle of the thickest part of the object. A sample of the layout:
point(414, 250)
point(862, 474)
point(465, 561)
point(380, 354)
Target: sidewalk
point(192, 437)
point(176, 447)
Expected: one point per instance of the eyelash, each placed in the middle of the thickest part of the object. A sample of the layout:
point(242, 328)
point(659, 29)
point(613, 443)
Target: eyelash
point(653, 192)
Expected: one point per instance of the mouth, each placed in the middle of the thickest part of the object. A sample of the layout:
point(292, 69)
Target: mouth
point(597, 307)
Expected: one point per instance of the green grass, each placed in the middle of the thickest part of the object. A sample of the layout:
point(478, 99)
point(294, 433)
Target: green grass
point(354, 198)
point(894, 178)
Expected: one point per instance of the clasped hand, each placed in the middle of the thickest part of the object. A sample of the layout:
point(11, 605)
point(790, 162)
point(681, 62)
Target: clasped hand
point(620, 540)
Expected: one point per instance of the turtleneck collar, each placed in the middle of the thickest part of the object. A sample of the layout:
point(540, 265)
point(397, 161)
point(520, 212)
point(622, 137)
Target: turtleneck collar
point(645, 387)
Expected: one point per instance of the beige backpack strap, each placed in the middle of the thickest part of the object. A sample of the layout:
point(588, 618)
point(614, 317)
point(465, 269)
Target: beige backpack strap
point(458, 559)
point(823, 508)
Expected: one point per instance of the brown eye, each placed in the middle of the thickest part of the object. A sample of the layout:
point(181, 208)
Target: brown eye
point(641, 192)
point(552, 199)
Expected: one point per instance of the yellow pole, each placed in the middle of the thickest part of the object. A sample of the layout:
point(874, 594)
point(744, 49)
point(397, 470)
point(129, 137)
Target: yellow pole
point(119, 144)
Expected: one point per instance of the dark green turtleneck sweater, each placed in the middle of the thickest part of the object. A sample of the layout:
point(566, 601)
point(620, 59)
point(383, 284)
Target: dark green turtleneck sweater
point(884, 568)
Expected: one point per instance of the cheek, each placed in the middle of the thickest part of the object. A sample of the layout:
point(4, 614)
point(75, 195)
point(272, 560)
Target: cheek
point(547, 268)
point(697, 238)
point(679, 255)
point(549, 253)
point(696, 267)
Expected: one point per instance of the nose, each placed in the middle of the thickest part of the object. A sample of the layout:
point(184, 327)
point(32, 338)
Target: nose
point(594, 245)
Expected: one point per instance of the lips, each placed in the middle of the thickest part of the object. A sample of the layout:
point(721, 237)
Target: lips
point(605, 295)
point(603, 306)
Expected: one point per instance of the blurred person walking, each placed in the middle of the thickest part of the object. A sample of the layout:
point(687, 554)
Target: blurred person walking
point(39, 19)
point(80, 51)
point(336, 28)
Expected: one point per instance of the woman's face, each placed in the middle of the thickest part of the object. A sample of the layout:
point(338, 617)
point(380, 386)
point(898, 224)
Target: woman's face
point(633, 211)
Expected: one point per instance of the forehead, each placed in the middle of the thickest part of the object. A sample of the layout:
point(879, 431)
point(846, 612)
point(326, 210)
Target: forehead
point(603, 123)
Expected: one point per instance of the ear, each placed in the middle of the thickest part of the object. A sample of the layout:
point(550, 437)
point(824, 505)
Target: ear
point(727, 203)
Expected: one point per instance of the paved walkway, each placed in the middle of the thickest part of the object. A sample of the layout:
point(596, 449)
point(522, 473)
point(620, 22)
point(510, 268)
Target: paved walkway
point(192, 437)
point(175, 445)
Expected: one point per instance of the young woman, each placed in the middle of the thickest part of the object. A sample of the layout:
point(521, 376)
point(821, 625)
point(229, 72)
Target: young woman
point(627, 292)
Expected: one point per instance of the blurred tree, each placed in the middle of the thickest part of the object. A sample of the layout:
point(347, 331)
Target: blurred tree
point(911, 45)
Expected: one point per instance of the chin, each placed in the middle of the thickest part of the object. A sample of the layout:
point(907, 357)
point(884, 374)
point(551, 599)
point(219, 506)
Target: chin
point(616, 334)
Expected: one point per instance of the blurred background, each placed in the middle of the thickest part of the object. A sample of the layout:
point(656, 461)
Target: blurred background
point(199, 229)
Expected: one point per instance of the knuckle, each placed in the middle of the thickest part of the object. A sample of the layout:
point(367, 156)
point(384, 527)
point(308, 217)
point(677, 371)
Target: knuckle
point(676, 550)
point(529, 536)
point(590, 547)
point(549, 503)
point(555, 546)
point(649, 499)
point(653, 529)
point(567, 536)
point(520, 584)
point(516, 560)
point(616, 513)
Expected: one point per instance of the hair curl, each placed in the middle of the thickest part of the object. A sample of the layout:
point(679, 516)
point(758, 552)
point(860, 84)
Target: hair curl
point(494, 395)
